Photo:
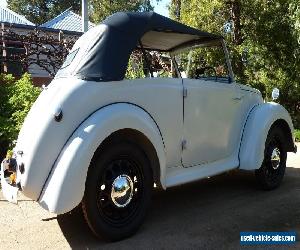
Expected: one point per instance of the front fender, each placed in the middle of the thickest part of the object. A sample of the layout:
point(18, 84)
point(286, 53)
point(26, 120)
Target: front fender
point(255, 133)
point(64, 188)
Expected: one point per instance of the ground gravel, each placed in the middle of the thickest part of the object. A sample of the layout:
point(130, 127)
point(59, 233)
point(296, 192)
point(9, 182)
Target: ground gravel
point(207, 214)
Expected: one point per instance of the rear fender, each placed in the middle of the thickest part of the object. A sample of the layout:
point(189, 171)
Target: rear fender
point(64, 188)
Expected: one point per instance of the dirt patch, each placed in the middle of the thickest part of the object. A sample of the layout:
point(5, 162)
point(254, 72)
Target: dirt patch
point(208, 214)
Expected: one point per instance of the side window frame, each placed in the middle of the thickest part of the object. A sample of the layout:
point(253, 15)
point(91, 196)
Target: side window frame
point(189, 48)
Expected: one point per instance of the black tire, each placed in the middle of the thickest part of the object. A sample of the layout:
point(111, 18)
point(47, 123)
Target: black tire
point(127, 163)
point(271, 173)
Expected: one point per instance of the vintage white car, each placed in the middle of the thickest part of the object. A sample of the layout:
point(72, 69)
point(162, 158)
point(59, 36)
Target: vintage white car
point(96, 139)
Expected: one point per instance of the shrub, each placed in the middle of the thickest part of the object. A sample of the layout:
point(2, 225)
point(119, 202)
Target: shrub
point(297, 135)
point(16, 99)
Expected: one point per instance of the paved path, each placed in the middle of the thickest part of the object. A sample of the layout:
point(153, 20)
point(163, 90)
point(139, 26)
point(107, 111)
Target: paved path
point(208, 214)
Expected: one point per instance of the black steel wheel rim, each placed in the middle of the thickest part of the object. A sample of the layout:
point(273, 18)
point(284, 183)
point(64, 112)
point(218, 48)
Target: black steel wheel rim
point(121, 166)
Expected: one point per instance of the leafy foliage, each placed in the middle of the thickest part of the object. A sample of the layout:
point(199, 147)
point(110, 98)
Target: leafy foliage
point(16, 99)
point(135, 68)
point(139, 65)
point(41, 11)
point(297, 135)
point(174, 9)
point(103, 8)
point(263, 38)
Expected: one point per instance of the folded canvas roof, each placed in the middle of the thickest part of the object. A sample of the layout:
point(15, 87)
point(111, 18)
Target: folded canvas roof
point(146, 25)
point(106, 56)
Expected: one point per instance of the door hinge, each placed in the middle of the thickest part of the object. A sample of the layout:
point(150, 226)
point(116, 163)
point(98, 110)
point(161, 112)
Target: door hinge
point(183, 144)
point(184, 92)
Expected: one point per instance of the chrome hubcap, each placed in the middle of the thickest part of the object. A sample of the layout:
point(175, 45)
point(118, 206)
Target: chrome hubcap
point(122, 190)
point(275, 158)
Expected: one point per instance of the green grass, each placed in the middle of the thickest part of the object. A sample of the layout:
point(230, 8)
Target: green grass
point(297, 135)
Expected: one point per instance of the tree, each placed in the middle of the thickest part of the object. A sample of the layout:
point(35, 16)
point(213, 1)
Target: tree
point(103, 8)
point(41, 11)
point(16, 99)
point(174, 9)
point(263, 37)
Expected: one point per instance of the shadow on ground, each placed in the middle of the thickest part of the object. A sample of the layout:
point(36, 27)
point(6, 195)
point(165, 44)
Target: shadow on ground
point(208, 214)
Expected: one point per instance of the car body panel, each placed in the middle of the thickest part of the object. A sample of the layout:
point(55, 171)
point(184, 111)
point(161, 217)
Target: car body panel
point(69, 149)
point(42, 138)
point(259, 122)
point(215, 138)
point(65, 186)
point(178, 176)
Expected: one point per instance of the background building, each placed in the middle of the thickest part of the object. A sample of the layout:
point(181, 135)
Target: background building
point(39, 50)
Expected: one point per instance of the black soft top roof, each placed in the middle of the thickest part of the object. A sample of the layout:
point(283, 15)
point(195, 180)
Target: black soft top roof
point(137, 24)
point(107, 60)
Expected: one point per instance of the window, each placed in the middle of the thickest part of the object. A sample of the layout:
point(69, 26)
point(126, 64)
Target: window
point(69, 58)
point(158, 64)
point(206, 63)
point(137, 67)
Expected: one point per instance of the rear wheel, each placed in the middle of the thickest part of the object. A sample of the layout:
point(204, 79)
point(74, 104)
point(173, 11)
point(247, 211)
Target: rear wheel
point(118, 191)
point(271, 173)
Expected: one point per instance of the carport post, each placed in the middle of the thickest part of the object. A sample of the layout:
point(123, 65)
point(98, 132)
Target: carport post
point(85, 17)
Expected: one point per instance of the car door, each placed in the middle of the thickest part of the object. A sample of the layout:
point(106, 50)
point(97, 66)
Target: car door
point(213, 121)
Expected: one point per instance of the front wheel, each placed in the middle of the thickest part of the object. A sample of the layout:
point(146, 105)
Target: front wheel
point(271, 173)
point(118, 191)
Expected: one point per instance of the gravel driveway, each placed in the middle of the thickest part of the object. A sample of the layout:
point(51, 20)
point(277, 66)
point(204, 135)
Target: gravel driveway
point(207, 214)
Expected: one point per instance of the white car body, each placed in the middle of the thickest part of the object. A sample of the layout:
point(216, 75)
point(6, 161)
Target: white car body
point(197, 128)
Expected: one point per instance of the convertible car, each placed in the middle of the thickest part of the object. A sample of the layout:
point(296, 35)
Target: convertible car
point(142, 100)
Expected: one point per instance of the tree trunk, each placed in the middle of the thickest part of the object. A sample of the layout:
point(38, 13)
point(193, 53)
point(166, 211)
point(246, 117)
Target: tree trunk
point(176, 4)
point(235, 15)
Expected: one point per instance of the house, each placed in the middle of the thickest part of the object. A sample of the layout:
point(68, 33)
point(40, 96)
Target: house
point(68, 20)
point(9, 16)
point(39, 50)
